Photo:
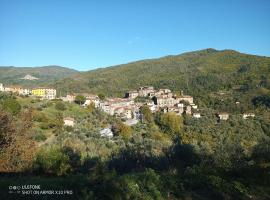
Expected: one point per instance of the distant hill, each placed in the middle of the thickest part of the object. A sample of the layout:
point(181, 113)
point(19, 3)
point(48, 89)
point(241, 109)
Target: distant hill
point(207, 73)
point(44, 75)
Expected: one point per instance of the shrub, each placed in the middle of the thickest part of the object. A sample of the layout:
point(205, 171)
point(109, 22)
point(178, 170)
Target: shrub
point(52, 161)
point(171, 123)
point(60, 106)
point(40, 117)
point(12, 106)
point(40, 137)
point(120, 129)
point(80, 99)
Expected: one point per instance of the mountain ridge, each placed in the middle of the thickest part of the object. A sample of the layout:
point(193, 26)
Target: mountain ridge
point(201, 74)
point(46, 74)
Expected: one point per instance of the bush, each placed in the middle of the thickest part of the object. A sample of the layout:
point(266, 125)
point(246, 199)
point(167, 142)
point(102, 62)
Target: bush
point(120, 129)
point(52, 161)
point(170, 123)
point(39, 137)
point(80, 99)
point(60, 106)
point(40, 117)
point(12, 106)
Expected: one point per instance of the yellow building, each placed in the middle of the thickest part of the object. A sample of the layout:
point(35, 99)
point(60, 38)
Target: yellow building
point(38, 92)
point(45, 93)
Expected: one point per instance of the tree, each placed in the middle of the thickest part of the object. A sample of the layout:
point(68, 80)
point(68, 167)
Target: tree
point(60, 106)
point(101, 96)
point(120, 129)
point(7, 128)
point(58, 123)
point(80, 99)
point(91, 107)
point(12, 106)
point(17, 147)
point(146, 114)
point(171, 123)
point(52, 161)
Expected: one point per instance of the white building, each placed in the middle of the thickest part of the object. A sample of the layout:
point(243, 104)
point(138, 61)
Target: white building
point(68, 98)
point(92, 99)
point(197, 115)
point(106, 132)
point(188, 110)
point(132, 94)
point(223, 116)
point(69, 121)
point(248, 115)
point(145, 91)
point(24, 91)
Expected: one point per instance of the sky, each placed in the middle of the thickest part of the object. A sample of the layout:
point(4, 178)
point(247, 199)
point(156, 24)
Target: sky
point(89, 34)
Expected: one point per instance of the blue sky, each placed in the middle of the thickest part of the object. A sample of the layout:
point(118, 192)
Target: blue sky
point(86, 34)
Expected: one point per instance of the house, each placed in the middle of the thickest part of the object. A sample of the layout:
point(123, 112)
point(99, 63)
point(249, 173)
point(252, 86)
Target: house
point(185, 98)
point(152, 107)
point(196, 115)
point(107, 108)
point(8, 89)
point(145, 91)
point(132, 94)
point(13, 89)
point(69, 98)
point(177, 110)
point(106, 132)
point(164, 93)
point(223, 116)
point(24, 91)
point(92, 99)
point(44, 93)
point(194, 106)
point(188, 110)
point(161, 101)
point(248, 115)
point(69, 121)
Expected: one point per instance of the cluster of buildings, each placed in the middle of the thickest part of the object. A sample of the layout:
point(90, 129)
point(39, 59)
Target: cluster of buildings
point(42, 92)
point(128, 108)
point(165, 101)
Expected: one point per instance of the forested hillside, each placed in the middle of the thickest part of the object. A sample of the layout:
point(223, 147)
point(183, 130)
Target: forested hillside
point(45, 75)
point(214, 78)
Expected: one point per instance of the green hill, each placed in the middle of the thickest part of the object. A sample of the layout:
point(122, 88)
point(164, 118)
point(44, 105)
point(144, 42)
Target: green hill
point(45, 75)
point(210, 75)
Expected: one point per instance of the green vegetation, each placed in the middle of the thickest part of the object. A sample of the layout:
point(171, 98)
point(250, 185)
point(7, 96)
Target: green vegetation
point(45, 75)
point(80, 99)
point(170, 123)
point(164, 156)
point(60, 106)
point(216, 79)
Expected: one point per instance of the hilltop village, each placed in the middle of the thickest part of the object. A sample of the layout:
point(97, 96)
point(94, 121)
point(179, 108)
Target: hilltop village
point(128, 107)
